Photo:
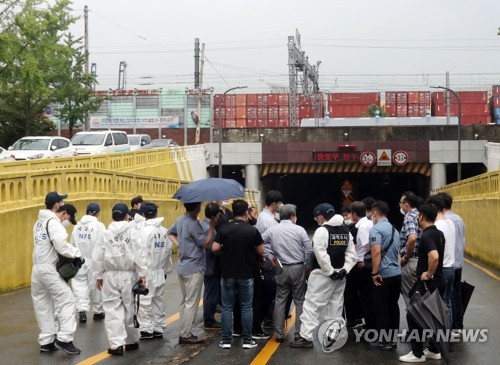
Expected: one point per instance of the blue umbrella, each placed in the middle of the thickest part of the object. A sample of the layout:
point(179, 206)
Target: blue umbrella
point(211, 189)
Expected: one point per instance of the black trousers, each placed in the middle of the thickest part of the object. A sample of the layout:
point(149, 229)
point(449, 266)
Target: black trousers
point(456, 301)
point(386, 298)
point(358, 297)
point(211, 297)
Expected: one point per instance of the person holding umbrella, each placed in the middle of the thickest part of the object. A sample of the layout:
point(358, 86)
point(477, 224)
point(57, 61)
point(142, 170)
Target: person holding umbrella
point(430, 276)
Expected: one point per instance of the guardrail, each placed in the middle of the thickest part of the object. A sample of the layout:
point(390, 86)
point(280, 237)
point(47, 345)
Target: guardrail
point(485, 185)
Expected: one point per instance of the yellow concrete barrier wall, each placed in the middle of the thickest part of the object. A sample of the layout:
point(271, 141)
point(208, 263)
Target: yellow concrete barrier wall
point(477, 201)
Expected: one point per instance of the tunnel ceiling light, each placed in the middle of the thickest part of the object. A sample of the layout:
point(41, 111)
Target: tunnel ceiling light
point(347, 146)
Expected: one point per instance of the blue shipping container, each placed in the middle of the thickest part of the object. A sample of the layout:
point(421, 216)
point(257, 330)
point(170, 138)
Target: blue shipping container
point(496, 112)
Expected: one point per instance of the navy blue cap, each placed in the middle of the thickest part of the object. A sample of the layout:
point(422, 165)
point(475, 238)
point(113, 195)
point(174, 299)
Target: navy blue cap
point(119, 211)
point(324, 209)
point(54, 197)
point(93, 208)
point(148, 209)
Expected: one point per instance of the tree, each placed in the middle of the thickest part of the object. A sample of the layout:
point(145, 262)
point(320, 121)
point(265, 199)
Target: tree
point(75, 87)
point(373, 108)
point(31, 54)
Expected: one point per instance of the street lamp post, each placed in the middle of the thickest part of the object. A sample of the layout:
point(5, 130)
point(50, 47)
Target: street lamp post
point(220, 125)
point(459, 131)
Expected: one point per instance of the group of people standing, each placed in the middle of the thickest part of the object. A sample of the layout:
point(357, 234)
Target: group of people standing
point(133, 251)
point(252, 268)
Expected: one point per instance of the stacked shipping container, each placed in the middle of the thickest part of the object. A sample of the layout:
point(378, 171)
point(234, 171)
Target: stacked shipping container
point(345, 105)
point(474, 105)
point(495, 101)
point(407, 103)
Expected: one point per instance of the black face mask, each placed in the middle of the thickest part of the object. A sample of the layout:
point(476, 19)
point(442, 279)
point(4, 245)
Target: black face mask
point(252, 221)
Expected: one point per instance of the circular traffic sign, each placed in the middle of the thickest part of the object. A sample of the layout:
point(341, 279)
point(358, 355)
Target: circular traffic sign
point(400, 158)
point(367, 158)
point(48, 110)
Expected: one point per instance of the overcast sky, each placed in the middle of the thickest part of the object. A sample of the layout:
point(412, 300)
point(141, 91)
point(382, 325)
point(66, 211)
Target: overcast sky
point(363, 45)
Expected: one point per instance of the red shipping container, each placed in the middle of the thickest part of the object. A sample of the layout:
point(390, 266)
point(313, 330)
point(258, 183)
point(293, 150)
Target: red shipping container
point(495, 101)
point(252, 100)
point(283, 99)
point(353, 98)
point(230, 101)
point(251, 123)
point(241, 122)
point(348, 111)
point(424, 97)
point(283, 122)
point(262, 112)
point(413, 109)
point(272, 123)
point(401, 110)
point(466, 97)
point(251, 112)
point(303, 100)
point(273, 112)
point(467, 109)
point(423, 108)
point(272, 99)
point(475, 119)
point(284, 112)
point(305, 112)
point(229, 123)
point(261, 123)
point(413, 98)
point(402, 97)
point(391, 97)
point(216, 113)
point(241, 112)
point(230, 113)
point(241, 99)
point(390, 109)
point(262, 100)
point(496, 90)
point(217, 100)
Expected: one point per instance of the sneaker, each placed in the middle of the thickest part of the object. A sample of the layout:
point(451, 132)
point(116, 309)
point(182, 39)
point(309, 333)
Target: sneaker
point(225, 344)
point(388, 346)
point(212, 326)
point(146, 335)
point(260, 336)
point(132, 346)
point(355, 324)
point(409, 357)
point(432, 355)
point(249, 344)
point(301, 342)
point(116, 352)
point(98, 316)
point(157, 334)
point(82, 317)
point(236, 334)
point(279, 339)
point(67, 347)
point(48, 347)
point(189, 340)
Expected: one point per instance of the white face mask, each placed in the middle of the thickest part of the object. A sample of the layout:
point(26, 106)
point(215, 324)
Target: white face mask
point(66, 224)
point(402, 211)
point(347, 222)
point(224, 203)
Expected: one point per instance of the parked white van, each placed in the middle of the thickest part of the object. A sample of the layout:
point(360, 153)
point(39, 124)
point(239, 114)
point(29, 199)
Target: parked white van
point(99, 142)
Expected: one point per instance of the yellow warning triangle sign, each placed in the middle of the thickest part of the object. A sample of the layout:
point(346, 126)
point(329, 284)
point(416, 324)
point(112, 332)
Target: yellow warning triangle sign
point(384, 157)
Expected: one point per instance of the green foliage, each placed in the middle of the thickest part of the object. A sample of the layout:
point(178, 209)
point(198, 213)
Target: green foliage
point(40, 63)
point(373, 108)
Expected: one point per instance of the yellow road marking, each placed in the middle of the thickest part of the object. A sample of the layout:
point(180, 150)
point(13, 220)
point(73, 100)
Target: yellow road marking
point(271, 346)
point(103, 355)
point(488, 272)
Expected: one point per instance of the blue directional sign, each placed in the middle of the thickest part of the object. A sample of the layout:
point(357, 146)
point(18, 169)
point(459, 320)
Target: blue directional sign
point(48, 111)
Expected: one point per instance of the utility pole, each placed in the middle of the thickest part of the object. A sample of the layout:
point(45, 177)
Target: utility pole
point(86, 45)
point(447, 97)
point(200, 95)
point(196, 63)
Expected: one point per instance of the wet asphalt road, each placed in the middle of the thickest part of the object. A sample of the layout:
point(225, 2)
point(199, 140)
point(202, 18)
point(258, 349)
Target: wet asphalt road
point(18, 333)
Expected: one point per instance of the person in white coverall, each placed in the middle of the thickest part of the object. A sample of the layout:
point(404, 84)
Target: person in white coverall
point(85, 235)
point(119, 261)
point(49, 291)
point(158, 248)
point(335, 255)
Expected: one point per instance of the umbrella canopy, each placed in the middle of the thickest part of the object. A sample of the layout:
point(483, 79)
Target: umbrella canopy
point(211, 189)
point(467, 290)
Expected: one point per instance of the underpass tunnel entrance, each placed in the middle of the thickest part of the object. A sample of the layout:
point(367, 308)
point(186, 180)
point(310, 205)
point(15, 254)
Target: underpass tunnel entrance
point(308, 190)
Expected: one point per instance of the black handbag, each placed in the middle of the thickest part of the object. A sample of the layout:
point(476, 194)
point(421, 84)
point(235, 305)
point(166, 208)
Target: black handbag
point(67, 267)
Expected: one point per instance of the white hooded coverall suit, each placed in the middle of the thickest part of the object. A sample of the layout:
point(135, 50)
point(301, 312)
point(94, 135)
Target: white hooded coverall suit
point(158, 250)
point(85, 236)
point(119, 260)
point(49, 292)
point(325, 297)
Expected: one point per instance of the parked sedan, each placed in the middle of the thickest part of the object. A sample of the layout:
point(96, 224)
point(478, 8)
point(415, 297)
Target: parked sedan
point(33, 148)
point(5, 156)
